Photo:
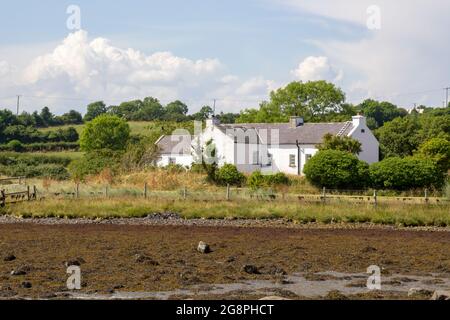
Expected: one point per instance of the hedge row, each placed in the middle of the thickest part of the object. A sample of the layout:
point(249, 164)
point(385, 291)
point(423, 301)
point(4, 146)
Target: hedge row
point(341, 170)
point(17, 146)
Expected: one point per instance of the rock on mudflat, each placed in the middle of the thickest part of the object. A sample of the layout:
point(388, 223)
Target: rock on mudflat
point(142, 258)
point(419, 292)
point(273, 298)
point(250, 269)
point(26, 285)
point(9, 257)
point(203, 247)
point(441, 295)
point(21, 271)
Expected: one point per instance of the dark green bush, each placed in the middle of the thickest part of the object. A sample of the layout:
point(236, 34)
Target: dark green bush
point(52, 171)
point(406, 173)
point(43, 147)
point(257, 180)
point(229, 174)
point(93, 163)
point(335, 169)
point(15, 145)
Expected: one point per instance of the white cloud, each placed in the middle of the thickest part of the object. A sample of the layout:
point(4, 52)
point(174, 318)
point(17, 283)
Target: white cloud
point(408, 54)
point(4, 68)
point(317, 68)
point(94, 69)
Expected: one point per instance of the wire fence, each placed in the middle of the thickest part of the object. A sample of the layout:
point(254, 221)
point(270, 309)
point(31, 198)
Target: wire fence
point(84, 191)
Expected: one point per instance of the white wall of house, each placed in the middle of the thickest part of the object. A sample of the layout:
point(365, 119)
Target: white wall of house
point(183, 160)
point(284, 158)
point(369, 144)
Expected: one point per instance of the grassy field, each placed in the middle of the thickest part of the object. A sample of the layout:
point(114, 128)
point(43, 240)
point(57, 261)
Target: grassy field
point(392, 214)
point(137, 127)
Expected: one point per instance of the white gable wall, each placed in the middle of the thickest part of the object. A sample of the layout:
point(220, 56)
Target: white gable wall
point(369, 144)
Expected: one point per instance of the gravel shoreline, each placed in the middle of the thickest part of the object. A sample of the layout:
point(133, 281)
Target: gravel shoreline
point(173, 219)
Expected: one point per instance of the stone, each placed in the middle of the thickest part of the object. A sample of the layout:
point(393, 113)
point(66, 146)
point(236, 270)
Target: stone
point(273, 298)
point(26, 285)
point(9, 257)
point(419, 292)
point(203, 248)
point(441, 295)
point(250, 269)
point(142, 258)
point(21, 270)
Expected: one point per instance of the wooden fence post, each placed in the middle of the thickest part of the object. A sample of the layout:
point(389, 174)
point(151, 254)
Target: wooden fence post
point(145, 190)
point(228, 192)
point(324, 195)
point(375, 198)
point(2, 198)
point(77, 190)
point(34, 192)
point(426, 196)
point(28, 193)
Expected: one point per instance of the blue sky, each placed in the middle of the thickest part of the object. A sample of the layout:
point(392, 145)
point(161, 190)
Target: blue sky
point(235, 51)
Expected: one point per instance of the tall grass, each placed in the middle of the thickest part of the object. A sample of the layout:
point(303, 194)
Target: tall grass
point(405, 215)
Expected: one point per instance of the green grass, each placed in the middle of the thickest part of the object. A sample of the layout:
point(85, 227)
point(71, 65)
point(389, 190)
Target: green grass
point(126, 207)
point(137, 127)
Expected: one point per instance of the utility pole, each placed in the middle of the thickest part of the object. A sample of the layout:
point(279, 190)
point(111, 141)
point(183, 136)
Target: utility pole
point(214, 108)
point(18, 103)
point(446, 96)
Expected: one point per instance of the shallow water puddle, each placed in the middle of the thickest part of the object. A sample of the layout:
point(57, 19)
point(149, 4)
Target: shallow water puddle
point(310, 286)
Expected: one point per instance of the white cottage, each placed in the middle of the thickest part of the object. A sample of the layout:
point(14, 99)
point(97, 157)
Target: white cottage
point(278, 147)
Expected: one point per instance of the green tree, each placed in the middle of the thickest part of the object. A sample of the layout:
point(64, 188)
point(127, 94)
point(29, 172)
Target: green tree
point(176, 111)
point(94, 110)
point(313, 100)
point(336, 169)
point(437, 149)
point(332, 142)
point(204, 113)
point(229, 174)
point(399, 137)
point(72, 117)
point(105, 132)
point(406, 173)
point(378, 113)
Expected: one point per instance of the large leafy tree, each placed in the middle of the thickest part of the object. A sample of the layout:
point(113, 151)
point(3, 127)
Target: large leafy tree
point(380, 112)
point(399, 137)
point(313, 100)
point(94, 110)
point(105, 132)
point(437, 149)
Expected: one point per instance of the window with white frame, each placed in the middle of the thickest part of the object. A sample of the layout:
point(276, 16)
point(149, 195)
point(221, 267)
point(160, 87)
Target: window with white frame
point(292, 161)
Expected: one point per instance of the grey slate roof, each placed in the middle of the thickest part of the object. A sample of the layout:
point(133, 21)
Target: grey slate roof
point(180, 144)
point(308, 133)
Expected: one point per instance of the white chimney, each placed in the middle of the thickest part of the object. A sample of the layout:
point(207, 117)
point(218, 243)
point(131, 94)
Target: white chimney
point(359, 121)
point(296, 122)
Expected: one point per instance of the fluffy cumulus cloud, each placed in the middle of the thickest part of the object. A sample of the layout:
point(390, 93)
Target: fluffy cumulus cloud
point(90, 69)
point(407, 55)
point(317, 68)
point(97, 68)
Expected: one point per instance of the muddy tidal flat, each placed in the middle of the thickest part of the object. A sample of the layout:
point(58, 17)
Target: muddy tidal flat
point(159, 260)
